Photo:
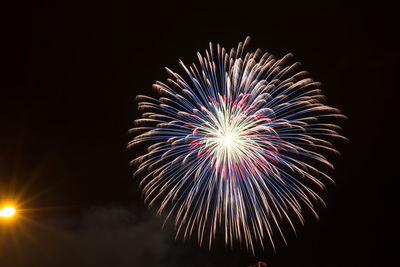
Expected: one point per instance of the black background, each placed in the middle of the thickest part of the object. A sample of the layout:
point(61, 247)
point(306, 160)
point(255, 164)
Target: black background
point(69, 80)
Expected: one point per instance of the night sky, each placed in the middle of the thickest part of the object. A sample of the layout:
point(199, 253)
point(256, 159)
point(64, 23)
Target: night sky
point(68, 84)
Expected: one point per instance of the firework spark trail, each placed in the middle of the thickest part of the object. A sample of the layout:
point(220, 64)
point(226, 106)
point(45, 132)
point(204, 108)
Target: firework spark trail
point(235, 145)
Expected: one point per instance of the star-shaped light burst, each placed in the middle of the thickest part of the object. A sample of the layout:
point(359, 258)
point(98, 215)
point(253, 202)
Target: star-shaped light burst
point(7, 212)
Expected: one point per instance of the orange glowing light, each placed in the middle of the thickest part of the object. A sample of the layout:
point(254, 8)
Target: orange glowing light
point(7, 211)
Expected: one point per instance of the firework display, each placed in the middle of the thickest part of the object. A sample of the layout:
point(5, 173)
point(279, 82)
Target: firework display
point(235, 145)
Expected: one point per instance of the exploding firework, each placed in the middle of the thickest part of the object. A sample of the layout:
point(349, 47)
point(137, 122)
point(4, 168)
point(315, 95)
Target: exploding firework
point(236, 146)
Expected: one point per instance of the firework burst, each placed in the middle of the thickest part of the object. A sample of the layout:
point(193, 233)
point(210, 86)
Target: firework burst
point(235, 146)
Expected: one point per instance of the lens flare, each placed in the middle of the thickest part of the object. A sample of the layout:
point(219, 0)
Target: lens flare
point(235, 147)
point(7, 211)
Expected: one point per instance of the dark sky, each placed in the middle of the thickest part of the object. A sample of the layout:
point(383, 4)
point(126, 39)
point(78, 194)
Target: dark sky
point(69, 79)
